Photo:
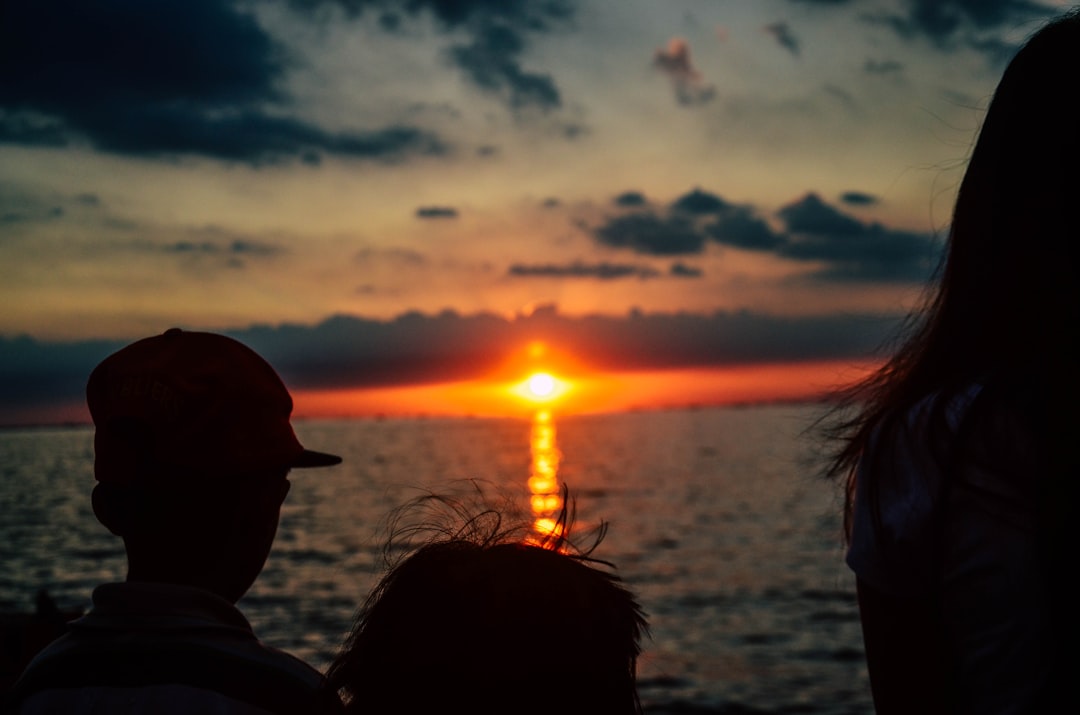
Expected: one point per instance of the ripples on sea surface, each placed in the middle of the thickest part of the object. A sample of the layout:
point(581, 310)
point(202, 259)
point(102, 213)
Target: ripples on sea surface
point(716, 517)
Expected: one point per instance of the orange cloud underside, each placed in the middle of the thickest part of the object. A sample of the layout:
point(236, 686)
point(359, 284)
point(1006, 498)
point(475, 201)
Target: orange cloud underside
point(608, 392)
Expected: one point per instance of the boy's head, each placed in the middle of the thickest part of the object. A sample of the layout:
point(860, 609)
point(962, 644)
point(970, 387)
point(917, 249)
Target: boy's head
point(192, 446)
point(491, 628)
point(191, 405)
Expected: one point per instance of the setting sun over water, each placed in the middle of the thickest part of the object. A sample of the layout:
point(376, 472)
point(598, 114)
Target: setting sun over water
point(586, 393)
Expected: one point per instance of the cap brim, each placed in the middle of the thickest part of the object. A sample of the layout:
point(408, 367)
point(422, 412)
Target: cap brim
point(311, 458)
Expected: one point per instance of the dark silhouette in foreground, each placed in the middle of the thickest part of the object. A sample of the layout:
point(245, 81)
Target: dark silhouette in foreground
point(963, 475)
point(485, 622)
point(192, 448)
point(23, 635)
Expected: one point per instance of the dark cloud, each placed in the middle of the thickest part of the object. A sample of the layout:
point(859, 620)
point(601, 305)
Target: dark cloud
point(32, 213)
point(401, 256)
point(688, 224)
point(492, 61)
point(741, 228)
point(681, 270)
point(852, 250)
point(238, 248)
point(859, 198)
point(602, 271)
point(811, 215)
point(784, 36)
point(349, 351)
point(22, 205)
point(674, 61)
point(814, 232)
point(436, 212)
point(948, 23)
point(699, 202)
point(572, 131)
point(168, 79)
point(883, 67)
point(28, 127)
point(536, 16)
point(630, 199)
point(42, 374)
point(652, 234)
point(497, 35)
point(212, 246)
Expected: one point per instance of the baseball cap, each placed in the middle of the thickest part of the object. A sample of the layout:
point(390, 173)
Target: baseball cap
point(191, 404)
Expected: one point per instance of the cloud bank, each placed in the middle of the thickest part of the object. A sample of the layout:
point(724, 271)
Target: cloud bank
point(835, 246)
point(351, 351)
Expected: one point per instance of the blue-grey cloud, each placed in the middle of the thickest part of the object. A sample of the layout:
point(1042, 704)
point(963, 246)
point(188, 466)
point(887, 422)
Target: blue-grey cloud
point(436, 212)
point(602, 271)
point(172, 79)
point(237, 248)
point(739, 227)
point(492, 61)
point(496, 36)
point(814, 231)
point(630, 199)
point(681, 270)
point(209, 247)
point(852, 250)
point(26, 126)
point(22, 205)
point(651, 234)
point(972, 23)
point(699, 202)
point(784, 36)
point(400, 256)
point(882, 67)
point(859, 198)
point(36, 373)
point(87, 199)
point(203, 248)
point(811, 215)
point(351, 351)
point(686, 226)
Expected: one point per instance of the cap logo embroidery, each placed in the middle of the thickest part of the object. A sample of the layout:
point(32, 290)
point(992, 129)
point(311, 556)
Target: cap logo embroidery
point(153, 391)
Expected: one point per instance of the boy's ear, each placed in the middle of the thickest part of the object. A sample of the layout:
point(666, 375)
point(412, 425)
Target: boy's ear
point(111, 508)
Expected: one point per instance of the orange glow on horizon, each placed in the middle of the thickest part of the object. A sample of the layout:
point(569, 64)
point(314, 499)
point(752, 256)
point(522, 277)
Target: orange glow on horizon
point(588, 393)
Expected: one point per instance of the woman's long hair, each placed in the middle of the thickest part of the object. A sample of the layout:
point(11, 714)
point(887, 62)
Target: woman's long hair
point(1004, 314)
point(1004, 310)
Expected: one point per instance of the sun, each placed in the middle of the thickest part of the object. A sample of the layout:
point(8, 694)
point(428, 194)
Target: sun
point(541, 387)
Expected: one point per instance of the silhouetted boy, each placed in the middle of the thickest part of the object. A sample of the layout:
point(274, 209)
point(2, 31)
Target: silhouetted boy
point(485, 623)
point(192, 449)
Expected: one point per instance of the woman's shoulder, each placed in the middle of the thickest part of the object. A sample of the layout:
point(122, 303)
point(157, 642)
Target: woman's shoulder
point(897, 482)
point(962, 448)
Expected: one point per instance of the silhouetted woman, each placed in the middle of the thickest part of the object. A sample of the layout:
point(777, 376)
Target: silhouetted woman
point(961, 453)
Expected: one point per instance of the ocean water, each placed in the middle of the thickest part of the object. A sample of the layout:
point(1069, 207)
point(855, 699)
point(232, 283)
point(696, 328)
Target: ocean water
point(716, 520)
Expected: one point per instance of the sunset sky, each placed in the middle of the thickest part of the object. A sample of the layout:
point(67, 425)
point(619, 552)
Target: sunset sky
point(398, 203)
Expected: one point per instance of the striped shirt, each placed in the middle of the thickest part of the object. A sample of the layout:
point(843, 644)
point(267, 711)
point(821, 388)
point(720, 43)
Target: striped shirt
point(162, 648)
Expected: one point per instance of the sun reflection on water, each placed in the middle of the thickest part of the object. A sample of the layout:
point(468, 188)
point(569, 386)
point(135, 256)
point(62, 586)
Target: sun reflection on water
point(546, 499)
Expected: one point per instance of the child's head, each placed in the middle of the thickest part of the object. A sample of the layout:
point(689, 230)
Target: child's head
point(192, 447)
point(486, 626)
